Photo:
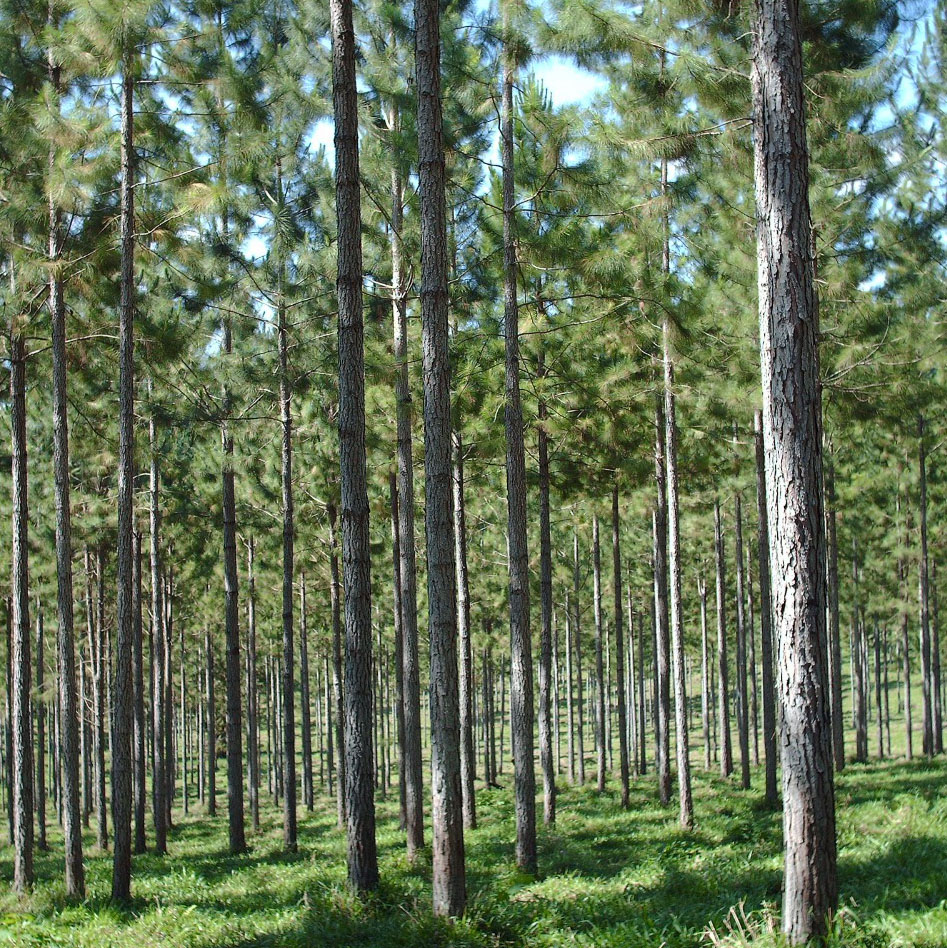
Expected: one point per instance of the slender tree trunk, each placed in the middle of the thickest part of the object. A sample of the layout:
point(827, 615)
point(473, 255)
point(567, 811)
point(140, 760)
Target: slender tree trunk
point(705, 704)
point(40, 715)
point(468, 765)
point(662, 642)
point(620, 677)
point(141, 725)
point(743, 708)
point(935, 664)
point(723, 683)
point(792, 439)
point(69, 711)
point(835, 642)
point(253, 703)
point(927, 718)
point(599, 664)
point(766, 619)
point(905, 635)
point(521, 671)
point(305, 722)
point(399, 643)
point(570, 709)
point(20, 682)
point(359, 796)
point(159, 783)
point(577, 642)
point(335, 598)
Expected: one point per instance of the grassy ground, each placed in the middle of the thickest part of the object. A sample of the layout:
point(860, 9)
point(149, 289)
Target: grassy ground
point(609, 878)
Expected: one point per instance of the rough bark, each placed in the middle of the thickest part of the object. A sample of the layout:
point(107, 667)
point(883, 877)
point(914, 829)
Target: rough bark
point(356, 563)
point(449, 879)
point(792, 438)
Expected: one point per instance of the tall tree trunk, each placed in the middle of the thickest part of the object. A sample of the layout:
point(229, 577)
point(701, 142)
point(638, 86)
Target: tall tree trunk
point(305, 714)
point(743, 706)
point(662, 642)
point(211, 726)
point(69, 711)
point(577, 642)
point(359, 790)
point(935, 664)
point(449, 879)
point(705, 704)
point(40, 715)
point(253, 704)
point(599, 664)
point(399, 643)
point(407, 564)
point(548, 762)
point(521, 667)
point(792, 439)
point(141, 724)
point(766, 618)
point(570, 709)
point(905, 634)
point(723, 677)
point(159, 783)
point(20, 682)
point(620, 677)
point(468, 761)
point(286, 478)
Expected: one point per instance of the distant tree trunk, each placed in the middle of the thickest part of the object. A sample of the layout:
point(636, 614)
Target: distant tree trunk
point(705, 708)
point(766, 618)
point(468, 764)
point(905, 635)
point(159, 783)
point(305, 722)
point(792, 439)
point(723, 684)
point(887, 709)
point(40, 715)
point(335, 599)
point(835, 643)
point(100, 662)
point(521, 667)
point(577, 642)
point(620, 651)
point(663, 645)
point(935, 664)
point(927, 719)
point(20, 682)
point(399, 643)
point(743, 708)
point(359, 790)
point(599, 665)
point(570, 709)
point(642, 723)
point(212, 727)
point(861, 670)
point(879, 715)
point(141, 724)
point(253, 706)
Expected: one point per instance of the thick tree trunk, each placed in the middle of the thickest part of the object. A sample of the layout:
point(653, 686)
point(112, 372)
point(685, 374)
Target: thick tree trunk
point(448, 877)
point(359, 790)
point(792, 438)
point(766, 619)
point(468, 761)
point(620, 677)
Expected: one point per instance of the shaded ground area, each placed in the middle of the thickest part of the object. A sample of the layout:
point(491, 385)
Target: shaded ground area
point(610, 878)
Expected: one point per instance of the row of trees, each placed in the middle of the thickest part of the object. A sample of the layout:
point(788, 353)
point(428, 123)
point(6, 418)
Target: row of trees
point(595, 257)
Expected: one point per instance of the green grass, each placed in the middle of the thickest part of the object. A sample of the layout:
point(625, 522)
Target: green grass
point(609, 878)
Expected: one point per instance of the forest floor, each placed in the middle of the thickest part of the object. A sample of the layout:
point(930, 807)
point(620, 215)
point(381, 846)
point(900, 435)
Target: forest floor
point(609, 877)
